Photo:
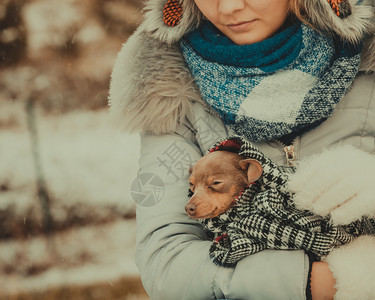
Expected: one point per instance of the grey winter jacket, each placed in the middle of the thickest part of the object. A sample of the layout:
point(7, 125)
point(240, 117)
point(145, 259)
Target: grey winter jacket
point(153, 92)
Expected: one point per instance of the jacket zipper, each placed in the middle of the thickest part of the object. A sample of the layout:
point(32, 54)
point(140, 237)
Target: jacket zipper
point(290, 154)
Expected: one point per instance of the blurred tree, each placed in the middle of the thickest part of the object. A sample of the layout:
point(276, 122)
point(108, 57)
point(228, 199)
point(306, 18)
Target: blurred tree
point(119, 17)
point(12, 32)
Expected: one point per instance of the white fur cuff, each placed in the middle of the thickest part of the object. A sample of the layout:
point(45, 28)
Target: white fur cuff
point(339, 182)
point(353, 266)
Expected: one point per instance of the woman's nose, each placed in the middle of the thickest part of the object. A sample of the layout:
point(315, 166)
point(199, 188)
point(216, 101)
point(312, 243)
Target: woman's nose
point(227, 7)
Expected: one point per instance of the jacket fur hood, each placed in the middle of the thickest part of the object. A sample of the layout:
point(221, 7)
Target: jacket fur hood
point(152, 90)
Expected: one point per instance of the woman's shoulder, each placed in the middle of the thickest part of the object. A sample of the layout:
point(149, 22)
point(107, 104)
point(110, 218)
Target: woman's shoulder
point(151, 89)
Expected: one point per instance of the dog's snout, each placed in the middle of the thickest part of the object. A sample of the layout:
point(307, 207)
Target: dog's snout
point(190, 209)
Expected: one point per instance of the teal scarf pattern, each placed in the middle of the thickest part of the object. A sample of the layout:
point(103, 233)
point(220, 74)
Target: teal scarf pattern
point(275, 88)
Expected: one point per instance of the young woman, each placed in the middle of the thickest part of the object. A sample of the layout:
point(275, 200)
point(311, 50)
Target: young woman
point(292, 76)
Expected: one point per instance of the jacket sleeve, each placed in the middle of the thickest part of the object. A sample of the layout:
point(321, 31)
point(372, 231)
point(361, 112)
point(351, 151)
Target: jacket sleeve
point(172, 250)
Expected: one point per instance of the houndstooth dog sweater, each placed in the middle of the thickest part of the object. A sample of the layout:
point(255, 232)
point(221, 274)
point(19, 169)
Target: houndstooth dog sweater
point(264, 217)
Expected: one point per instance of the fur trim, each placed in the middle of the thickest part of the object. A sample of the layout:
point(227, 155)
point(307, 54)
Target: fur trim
point(154, 24)
point(319, 13)
point(368, 57)
point(359, 25)
point(353, 28)
point(150, 79)
point(353, 266)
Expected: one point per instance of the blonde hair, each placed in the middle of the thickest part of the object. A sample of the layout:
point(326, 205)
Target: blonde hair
point(296, 9)
point(299, 12)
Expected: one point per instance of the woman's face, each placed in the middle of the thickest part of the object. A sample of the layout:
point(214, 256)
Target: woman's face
point(245, 21)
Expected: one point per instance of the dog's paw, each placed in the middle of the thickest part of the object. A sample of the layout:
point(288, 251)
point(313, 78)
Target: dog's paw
point(339, 182)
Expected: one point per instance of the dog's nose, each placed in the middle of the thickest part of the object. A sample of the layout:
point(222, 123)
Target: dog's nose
point(190, 209)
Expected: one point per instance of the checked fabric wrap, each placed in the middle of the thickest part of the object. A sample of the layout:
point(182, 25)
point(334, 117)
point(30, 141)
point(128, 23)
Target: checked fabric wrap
point(264, 217)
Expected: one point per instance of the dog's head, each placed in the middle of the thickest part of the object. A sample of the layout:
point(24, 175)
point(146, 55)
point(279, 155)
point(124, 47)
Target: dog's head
point(216, 180)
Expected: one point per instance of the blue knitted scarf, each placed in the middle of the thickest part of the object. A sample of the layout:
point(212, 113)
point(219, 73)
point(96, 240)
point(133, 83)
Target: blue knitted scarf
point(274, 88)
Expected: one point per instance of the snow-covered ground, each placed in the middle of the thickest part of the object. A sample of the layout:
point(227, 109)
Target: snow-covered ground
point(88, 167)
point(74, 257)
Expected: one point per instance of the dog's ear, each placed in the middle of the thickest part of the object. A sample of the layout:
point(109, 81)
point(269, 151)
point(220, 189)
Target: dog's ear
point(253, 167)
point(191, 169)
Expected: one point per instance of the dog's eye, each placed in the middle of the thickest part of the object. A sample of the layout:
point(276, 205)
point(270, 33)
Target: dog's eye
point(216, 182)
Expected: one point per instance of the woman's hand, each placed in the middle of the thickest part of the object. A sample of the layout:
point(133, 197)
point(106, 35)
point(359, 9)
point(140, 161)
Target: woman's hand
point(339, 182)
point(322, 282)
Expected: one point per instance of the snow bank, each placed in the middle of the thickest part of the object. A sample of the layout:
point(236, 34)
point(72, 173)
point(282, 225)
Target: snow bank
point(75, 257)
point(87, 165)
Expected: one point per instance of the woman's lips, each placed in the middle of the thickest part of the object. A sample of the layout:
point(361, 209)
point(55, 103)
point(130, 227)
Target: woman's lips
point(241, 26)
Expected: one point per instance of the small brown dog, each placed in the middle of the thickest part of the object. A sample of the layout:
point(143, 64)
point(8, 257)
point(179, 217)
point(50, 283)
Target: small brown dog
point(216, 180)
